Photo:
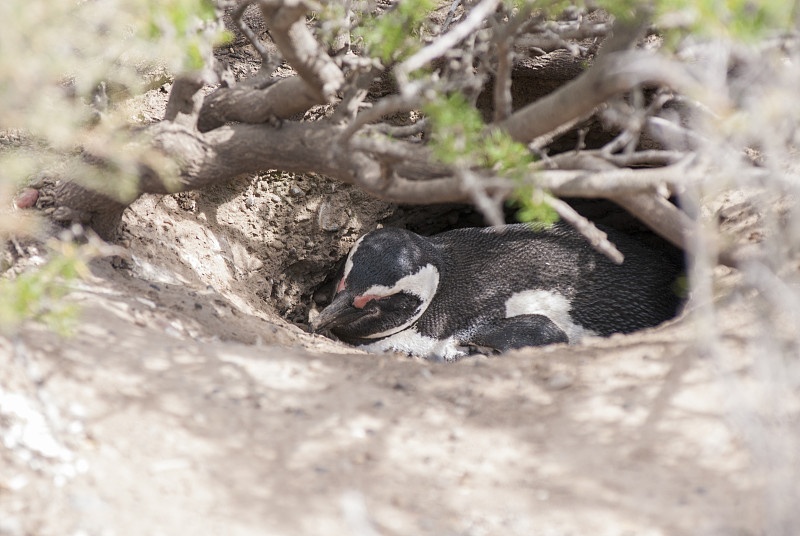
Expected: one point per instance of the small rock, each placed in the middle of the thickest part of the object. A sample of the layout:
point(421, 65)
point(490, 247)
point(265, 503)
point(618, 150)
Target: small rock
point(327, 219)
point(38, 181)
point(560, 380)
point(27, 198)
point(297, 192)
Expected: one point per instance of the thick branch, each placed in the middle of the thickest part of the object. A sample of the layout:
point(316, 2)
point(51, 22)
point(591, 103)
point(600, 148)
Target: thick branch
point(660, 215)
point(287, 24)
point(615, 181)
point(259, 100)
point(182, 96)
point(247, 104)
point(620, 72)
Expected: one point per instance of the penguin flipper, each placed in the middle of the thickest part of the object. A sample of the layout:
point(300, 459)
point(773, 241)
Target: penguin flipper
point(517, 332)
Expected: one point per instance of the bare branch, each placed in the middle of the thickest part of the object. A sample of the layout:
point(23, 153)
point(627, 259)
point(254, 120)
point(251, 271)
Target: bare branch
point(447, 41)
point(672, 135)
point(287, 24)
point(490, 207)
point(362, 74)
point(660, 215)
point(236, 15)
point(502, 81)
point(403, 131)
point(181, 98)
point(618, 73)
point(246, 104)
point(387, 106)
point(504, 36)
point(393, 150)
point(614, 182)
point(615, 71)
point(553, 36)
point(450, 14)
point(597, 238)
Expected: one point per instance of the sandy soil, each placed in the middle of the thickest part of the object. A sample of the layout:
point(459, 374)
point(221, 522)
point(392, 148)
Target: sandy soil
point(190, 400)
point(185, 403)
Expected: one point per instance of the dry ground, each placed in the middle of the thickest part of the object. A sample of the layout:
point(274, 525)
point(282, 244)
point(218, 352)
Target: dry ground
point(184, 404)
point(191, 401)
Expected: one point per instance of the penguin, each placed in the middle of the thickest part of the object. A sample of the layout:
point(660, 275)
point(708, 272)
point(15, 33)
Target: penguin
point(494, 289)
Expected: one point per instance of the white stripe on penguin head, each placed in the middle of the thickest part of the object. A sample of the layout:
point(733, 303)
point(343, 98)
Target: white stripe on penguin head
point(422, 284)
point(348, 264)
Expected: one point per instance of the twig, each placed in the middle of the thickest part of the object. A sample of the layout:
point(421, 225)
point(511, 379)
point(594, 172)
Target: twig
point(672, 135)
point(502, 81)
point(281, 100)
point(597, 238)
point(554, 37)
point(648, 158)
point(447, 41)
point(237, 15)
point(393, 150)
point(615, 72)
point(504, 36)
point(491, 208)
point(450, 15)
point(389, 105)
point(402, 131)
point(615, 182)
point(357, 89)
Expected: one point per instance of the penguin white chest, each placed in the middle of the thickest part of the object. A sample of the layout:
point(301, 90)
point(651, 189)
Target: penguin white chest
point(551, 304)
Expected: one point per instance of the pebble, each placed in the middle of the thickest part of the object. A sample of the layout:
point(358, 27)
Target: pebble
point(38, 181)
point(297, 192)
point(560, 380)
point(327, 219)
point(27, 198)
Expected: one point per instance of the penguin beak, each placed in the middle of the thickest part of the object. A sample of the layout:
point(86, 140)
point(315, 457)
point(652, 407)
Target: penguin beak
point(340, 311)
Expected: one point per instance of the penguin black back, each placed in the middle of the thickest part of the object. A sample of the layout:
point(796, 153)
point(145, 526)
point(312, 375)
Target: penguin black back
point(494, 263)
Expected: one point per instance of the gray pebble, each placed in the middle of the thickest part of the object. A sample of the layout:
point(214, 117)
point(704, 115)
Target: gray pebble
point(327, 219)
point(560, 380)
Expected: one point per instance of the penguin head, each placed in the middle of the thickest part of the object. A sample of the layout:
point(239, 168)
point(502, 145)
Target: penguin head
point(390, 277)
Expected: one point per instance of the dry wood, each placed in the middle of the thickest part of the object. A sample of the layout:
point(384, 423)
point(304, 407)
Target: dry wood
point(404, 171)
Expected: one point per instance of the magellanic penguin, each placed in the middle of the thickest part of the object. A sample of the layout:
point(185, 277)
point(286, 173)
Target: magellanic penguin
point(495, 288)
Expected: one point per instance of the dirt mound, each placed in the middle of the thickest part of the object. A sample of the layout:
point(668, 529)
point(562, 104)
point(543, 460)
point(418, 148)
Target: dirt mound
point(192, 400)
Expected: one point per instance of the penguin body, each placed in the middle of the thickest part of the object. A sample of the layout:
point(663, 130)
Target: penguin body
point(496, 288)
